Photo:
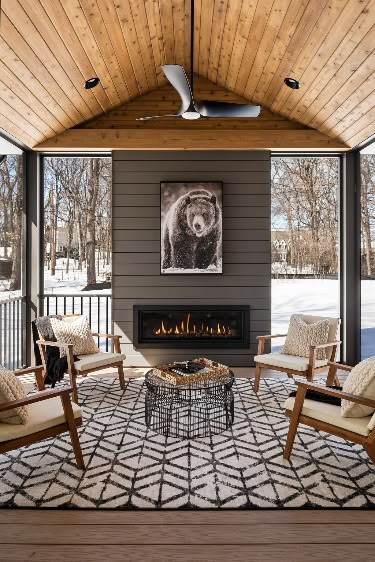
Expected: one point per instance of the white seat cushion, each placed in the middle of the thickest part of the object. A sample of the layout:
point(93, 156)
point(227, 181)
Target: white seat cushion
point(94, 360)
point(287, 361)
point(42, 415)
point(331, 414)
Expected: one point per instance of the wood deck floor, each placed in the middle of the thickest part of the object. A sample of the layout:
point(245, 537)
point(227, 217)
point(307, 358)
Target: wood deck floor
point(205, 536)
point(176, 536)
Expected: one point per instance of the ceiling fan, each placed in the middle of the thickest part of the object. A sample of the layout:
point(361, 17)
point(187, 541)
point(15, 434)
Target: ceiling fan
point(192, 108)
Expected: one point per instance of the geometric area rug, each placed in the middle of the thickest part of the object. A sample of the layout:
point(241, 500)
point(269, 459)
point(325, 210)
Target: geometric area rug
point(131, 467)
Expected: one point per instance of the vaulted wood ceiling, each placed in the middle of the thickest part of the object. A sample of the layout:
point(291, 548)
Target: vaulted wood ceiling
point(49, 47)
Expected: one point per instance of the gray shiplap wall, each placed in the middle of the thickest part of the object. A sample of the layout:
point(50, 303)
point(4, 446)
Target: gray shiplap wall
point(136, 243)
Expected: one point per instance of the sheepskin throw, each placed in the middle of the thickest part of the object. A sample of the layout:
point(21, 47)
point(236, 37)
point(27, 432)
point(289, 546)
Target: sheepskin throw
point(360, 381)
point(75, 331)
point(11, 389)
point(301, 336)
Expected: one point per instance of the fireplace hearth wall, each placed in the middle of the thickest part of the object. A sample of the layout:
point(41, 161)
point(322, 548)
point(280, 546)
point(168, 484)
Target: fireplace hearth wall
point(136, 278)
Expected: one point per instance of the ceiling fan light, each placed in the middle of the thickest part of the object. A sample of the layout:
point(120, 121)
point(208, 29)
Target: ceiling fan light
point(292, 83)
point(91, 83)
point(191, 115)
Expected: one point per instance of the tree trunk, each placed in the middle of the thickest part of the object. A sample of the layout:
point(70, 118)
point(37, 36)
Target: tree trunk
point(69, 245)
point(15, 282)
point(93, 190)
point(52, 249)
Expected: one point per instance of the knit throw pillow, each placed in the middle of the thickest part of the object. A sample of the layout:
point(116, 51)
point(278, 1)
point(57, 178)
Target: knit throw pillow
point(77, 332)
point(360, 381)
point(12, 389)
point(301, 336)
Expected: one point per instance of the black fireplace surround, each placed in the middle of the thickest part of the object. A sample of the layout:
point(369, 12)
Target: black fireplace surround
point(191, 326)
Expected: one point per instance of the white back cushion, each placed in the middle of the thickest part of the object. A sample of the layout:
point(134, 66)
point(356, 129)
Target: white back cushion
point(301, 335)
point(76, 331)
point(11, 389)
point(334, 324)
point(360, 381)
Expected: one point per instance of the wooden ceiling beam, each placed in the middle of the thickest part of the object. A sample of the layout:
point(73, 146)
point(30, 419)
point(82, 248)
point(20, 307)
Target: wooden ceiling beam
point(167, 139)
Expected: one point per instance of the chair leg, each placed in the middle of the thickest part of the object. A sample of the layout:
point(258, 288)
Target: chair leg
point(294, 421)
point(332, 378)
point(69, 416)
point(370, 450)
point(257, 378)
point(121, 376)
point(290, 439)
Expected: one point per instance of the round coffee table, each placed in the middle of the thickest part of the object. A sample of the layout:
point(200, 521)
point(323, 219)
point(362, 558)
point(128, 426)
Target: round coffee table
point(189, 411)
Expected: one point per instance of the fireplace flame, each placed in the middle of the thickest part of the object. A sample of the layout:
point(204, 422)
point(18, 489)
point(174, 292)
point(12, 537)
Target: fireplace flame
point(183, 329)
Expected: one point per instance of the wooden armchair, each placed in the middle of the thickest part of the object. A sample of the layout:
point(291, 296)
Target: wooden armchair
point(293, 365)
point(51, 412)
point(327, 417)
point(88, 363)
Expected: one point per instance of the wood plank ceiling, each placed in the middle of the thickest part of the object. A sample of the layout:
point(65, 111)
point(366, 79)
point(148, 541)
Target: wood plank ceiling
point(49, 47)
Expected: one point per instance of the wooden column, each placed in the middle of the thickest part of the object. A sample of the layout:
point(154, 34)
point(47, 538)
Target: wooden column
point(33, 248)
point(351, 258)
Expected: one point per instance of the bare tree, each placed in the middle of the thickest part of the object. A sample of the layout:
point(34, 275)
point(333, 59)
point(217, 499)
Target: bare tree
point(82, 186)
point(11, 212)
point(304, 201)
point(367, 212)
point(92, 199)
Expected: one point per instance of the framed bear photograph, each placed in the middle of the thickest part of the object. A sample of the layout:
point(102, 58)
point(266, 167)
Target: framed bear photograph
point(191, 227)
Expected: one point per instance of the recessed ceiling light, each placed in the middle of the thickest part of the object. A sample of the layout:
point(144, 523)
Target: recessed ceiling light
point(91, 83)
point(292, 83)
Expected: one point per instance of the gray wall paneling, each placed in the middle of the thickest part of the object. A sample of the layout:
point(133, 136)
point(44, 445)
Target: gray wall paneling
point(246, 244)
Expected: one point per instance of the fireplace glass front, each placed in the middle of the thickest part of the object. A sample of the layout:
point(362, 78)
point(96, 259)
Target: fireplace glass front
point(191, 326)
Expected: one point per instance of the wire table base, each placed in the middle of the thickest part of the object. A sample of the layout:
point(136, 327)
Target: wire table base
point(191, 410)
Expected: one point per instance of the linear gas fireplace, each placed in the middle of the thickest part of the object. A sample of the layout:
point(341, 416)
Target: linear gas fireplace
point(183, 326)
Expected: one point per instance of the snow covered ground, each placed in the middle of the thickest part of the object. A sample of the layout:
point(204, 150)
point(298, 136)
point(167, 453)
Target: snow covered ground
point(320, 297)
point(74, 281)
point(66, 283)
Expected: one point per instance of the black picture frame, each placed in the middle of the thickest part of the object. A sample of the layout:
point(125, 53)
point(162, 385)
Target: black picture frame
point(191, 225)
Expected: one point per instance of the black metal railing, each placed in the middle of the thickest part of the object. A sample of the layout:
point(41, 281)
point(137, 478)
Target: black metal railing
point(97, 308)
point(11, 333)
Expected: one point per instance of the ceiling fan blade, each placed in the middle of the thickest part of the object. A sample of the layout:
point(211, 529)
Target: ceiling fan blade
point(176, 75)
point(158, 116)
point(225, 109)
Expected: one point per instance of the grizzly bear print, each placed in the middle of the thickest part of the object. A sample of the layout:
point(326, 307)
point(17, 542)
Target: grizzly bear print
point(191, 236)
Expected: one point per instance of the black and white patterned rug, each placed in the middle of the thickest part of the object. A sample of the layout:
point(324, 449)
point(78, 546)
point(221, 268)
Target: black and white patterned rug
point(129, 466)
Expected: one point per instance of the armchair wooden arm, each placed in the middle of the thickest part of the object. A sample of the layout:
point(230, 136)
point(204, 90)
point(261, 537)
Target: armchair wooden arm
point(262, 340)
point(38, 371)
point(333, 392)
point(328, 344)
point(29, 370)
point(268, 337)
point(46, 343)
point(340, 366)
point(108, 336)
point(40, 396)
point(115, 339)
